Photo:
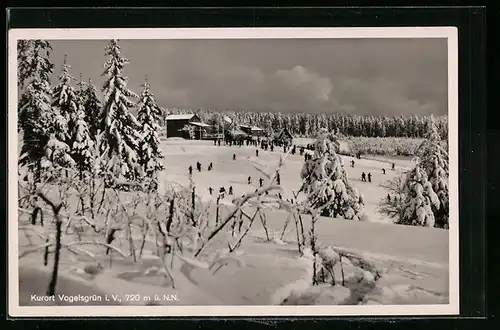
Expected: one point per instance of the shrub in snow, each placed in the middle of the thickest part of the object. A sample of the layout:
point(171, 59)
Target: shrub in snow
point(392, 204)
point(120, 127)
point(420, 199)
point(150, 154)
point(325, 181)
point(434, 161)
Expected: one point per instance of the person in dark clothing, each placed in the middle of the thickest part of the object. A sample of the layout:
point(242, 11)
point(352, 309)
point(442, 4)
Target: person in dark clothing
point(352, 163)
point(301, 151)
point(222, 191)
point(256, 152)
point(234, 156)
point(249, 179)
point(369, 177)
point(215, 142)
point(190, 169)
point(256, 190)
point(388, 197)
point(278, 178)
point(210, 190)
point(383, 171)
point(198, 166)
point(294, 150)
point(363, 177)
point(261, 182)
point(210, 166)
point(393, 166)
point(218, 141)
point(279, 196)
point(230, 190)
point(272, 147)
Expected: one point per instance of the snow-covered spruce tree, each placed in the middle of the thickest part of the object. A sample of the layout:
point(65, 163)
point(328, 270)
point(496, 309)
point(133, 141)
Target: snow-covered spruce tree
point(120, 127)
point(24, 61)
point(150, 154)
point(419, 199)
point(325, 181)
point(82, 149)
point(93, 109)
point(435, 162)
point(65, 100)
point(36, 116)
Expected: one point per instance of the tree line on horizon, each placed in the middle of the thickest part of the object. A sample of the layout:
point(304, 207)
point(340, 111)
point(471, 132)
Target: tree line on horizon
point(308, 124)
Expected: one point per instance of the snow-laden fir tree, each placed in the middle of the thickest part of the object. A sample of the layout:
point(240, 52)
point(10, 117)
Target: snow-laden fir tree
point(419, 199)
point(435, 162)
point(326, 183)
point(120, 128)
point(150, 154)
point(65, 100)
point(82, 149)
point(93, 109)
point(24, 59)
point(36, 116)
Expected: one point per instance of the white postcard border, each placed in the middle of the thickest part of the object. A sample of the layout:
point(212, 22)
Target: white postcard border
point(450, 33)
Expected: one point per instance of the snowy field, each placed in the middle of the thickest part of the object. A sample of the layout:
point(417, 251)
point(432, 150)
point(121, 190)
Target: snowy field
point(413, 260)
point(180, 154)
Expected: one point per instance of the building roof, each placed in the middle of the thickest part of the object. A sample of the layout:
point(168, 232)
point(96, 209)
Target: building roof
point(180, 117)
point(237, 132)
point(199, 124)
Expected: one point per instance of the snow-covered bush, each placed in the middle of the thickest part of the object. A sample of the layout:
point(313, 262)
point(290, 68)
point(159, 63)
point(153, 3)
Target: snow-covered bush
point(420, 199)
point(325, 181)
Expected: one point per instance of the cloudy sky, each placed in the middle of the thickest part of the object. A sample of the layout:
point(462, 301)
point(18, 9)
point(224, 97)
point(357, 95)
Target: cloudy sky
point(360, 76)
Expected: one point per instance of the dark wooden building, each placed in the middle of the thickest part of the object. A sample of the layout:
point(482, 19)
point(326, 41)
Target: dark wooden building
point(176, 123)
point(252, 130)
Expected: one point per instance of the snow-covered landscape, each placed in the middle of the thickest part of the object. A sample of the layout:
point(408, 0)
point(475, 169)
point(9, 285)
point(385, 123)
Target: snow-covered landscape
point(121, 202)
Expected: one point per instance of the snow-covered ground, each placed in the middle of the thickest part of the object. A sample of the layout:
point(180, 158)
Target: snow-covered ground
point(179, 155)
point(414, 260)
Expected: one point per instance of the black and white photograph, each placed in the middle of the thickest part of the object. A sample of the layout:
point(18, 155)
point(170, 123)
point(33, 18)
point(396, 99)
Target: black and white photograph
point(233, 172)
